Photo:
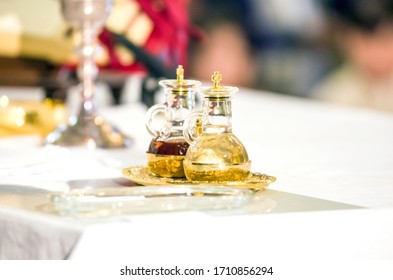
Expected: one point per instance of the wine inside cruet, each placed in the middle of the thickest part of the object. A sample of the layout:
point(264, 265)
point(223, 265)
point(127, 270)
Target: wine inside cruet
point(164, 122)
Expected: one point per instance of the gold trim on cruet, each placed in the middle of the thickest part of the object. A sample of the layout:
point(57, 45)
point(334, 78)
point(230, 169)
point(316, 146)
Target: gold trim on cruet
point(216, 79)
point(180, 74)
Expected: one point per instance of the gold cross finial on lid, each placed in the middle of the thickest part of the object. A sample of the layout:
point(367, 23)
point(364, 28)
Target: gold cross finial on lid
point(216, 78)
point(180, 74)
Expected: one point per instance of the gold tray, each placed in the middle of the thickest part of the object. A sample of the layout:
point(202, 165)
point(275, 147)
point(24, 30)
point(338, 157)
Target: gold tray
point(142, 176)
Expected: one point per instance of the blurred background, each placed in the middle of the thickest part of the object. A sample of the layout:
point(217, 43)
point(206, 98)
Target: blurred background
point(338, 51)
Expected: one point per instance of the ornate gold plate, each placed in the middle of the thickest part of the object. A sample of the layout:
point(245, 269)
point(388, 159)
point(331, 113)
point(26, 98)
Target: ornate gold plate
point(142, 176)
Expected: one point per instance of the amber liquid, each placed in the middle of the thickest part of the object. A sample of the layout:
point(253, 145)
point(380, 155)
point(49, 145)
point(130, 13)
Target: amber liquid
point(165, 158)
point(230, 174)
point(217, 157)
point(172, 147)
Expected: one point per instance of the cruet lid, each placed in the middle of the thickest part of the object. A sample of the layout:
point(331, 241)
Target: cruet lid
point(217, 90)
point(179, 85)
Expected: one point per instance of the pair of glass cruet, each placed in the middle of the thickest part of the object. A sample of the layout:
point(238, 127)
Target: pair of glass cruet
point(198, 145)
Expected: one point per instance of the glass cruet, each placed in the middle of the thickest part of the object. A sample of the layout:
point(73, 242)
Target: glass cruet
point(215, 153)
point(164, 122)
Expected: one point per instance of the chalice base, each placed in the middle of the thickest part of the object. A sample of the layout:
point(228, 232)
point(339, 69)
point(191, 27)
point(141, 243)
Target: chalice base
point(90, 132)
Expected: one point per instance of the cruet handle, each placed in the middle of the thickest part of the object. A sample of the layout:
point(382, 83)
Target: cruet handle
point(151, 118)
point(192, 126)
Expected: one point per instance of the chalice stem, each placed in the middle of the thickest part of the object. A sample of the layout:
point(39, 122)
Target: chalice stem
point(87, 71)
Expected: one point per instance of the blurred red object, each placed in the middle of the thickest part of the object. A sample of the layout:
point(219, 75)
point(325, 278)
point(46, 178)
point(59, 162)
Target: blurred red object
point(165, 47)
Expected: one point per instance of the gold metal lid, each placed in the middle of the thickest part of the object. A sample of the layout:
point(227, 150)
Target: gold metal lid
point(217, 90)
point(180, 85)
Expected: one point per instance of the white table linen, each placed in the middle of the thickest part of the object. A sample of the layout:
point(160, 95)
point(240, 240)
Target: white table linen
point(334, 153)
